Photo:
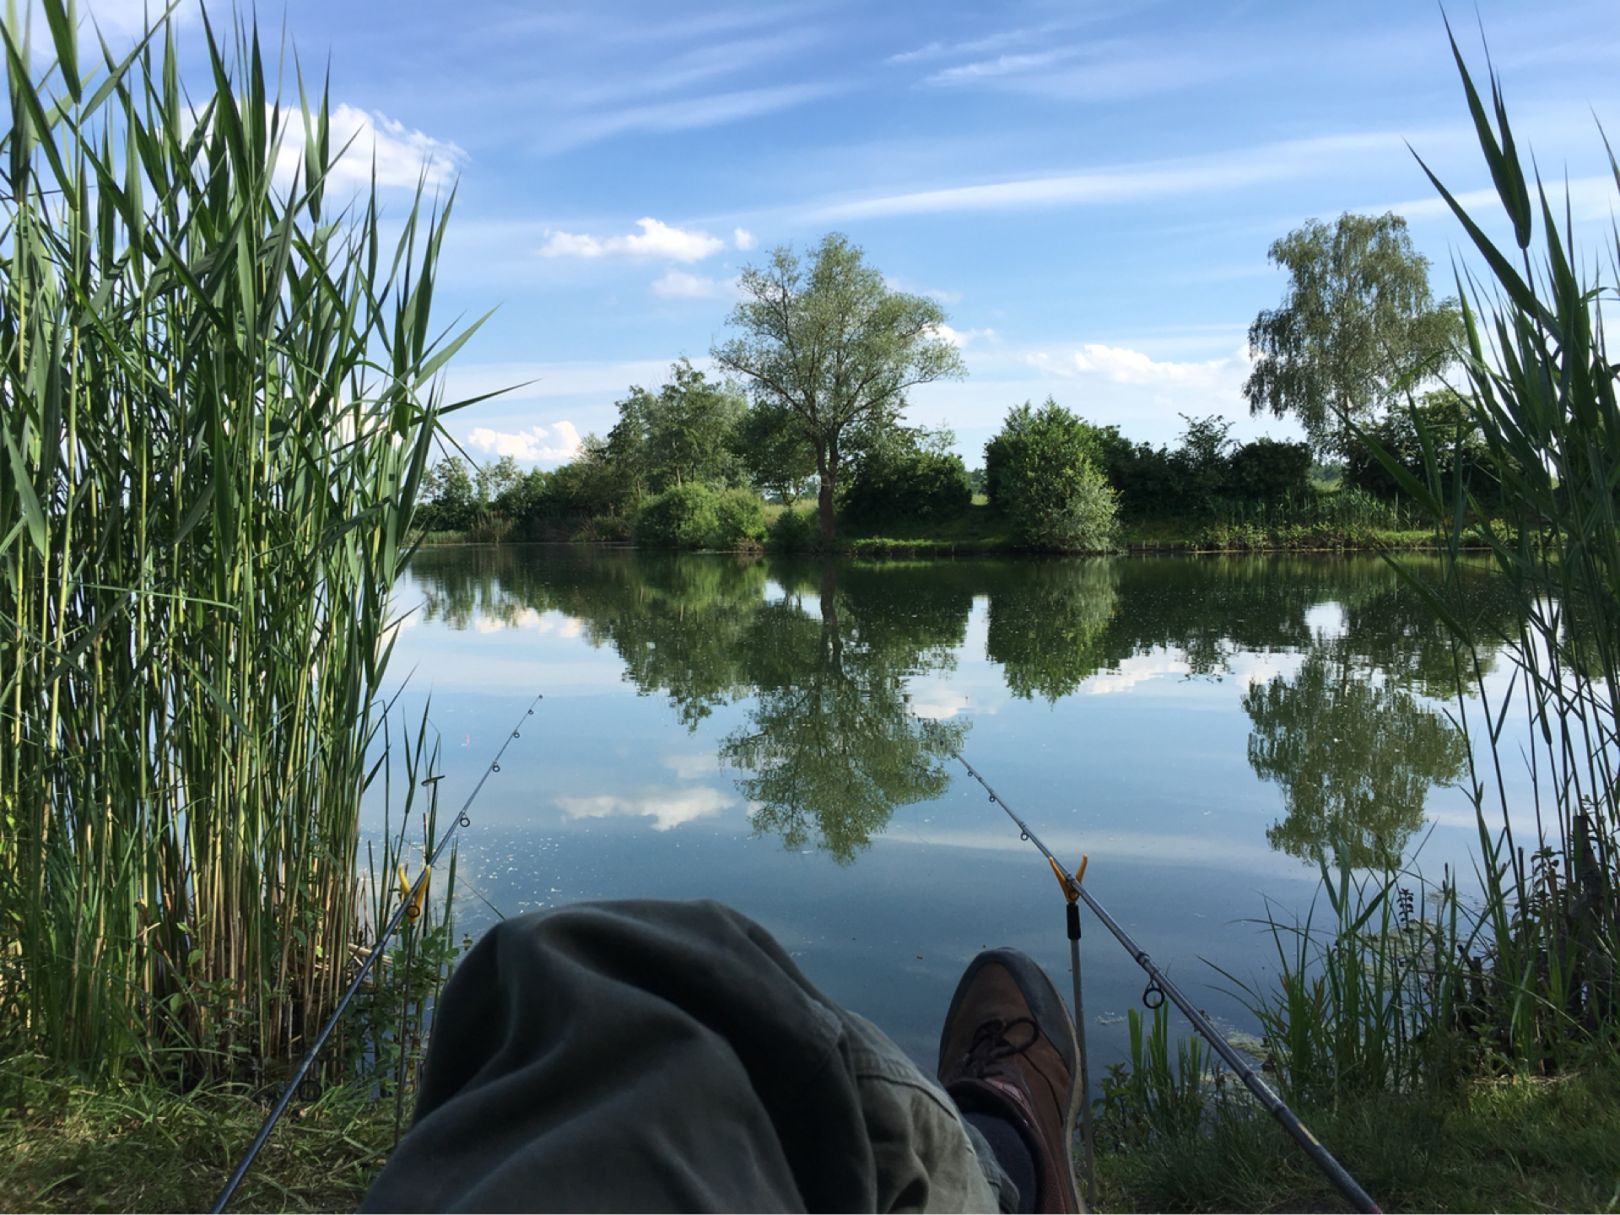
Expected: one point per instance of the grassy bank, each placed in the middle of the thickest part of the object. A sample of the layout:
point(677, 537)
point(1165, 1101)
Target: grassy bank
point(1509, 1144)
point(981, 531)
point(68, 1146)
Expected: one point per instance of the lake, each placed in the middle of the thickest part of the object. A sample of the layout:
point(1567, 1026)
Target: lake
point(778, 734)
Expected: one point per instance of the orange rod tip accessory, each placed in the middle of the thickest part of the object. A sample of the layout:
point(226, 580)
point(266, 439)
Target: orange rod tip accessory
point(1080, 873)
point(1064, 880)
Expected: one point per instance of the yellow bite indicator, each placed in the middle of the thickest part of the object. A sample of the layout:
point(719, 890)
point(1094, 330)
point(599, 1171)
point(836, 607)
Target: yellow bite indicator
point(413, 907)
point(1070, 885)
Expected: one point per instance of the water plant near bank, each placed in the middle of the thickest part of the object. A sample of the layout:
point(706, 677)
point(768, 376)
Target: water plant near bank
point(1401, 1001)
point(219, 386)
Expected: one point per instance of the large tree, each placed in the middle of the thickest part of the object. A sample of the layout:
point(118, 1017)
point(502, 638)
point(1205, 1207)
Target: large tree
point(1357, 325)
point(829, 342)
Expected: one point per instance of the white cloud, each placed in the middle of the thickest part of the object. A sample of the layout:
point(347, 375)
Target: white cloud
point(668, 807)
point(679, 284)
point(402, 156)
point(655, 240)
point(961, 337)
point(1126, 366)
point(1122, 365)
point(743, 238)
point(558, 442)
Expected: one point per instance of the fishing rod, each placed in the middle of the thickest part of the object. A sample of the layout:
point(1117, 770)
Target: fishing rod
point(409, 903)
point(1160, 987)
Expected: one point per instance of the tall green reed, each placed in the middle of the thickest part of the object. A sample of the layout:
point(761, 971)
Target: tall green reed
point(1519, 972)
point(1542, 391)
point(1362, 992)
point(219, 400)
point(1163, 1092)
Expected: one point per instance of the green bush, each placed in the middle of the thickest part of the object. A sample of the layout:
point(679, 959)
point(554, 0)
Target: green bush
point(907, 484)
point(1042, 477)
point(739, 518)
point(794, 531)
point(1269, 470)
point(698, 516)
point(604, 529)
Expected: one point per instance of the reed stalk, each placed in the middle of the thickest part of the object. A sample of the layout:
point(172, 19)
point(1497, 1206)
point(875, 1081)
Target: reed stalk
point(1519, 972)
point(219, 398)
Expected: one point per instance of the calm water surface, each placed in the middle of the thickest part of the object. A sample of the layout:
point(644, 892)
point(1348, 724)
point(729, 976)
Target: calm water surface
point(776, 735)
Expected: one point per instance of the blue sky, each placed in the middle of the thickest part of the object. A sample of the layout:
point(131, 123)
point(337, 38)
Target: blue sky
point(1089, 189)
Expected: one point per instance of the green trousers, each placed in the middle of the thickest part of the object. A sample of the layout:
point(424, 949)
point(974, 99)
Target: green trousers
point(654, 1056)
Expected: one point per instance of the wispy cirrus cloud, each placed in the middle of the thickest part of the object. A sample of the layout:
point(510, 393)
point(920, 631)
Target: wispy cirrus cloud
point(988, 43)
point(1000, 66)
point(1589, 198)
point(696, 66)
point(656, 240)
point(682, 114)
point(1234, 169)
point(1092, 71)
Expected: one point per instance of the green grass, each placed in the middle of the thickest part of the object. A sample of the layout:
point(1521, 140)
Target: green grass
point(1197, 535)
point(68, 1146)
point(1494, 1145)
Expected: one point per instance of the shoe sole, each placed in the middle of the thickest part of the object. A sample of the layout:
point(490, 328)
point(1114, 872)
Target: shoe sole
point(1050, 1012)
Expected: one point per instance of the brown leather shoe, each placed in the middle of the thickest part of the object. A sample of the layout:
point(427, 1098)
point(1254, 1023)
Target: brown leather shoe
point(1008, 1049)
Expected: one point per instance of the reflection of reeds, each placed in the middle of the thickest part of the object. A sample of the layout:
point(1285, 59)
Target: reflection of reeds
point(216, 417)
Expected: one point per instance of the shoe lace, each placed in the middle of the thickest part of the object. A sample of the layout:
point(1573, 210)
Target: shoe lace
point(996, 1040)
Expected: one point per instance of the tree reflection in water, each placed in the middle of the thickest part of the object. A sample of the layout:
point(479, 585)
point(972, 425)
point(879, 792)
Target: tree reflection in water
point(831, 748)
point(1355, 757)
point(824, 654)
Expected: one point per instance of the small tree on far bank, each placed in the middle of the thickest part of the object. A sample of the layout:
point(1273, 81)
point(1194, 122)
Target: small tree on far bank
point(1040, 471)
point(829, 343)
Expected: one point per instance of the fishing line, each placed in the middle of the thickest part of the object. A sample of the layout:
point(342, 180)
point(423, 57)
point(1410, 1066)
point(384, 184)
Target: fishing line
point(1160, 988)
point(405, 904)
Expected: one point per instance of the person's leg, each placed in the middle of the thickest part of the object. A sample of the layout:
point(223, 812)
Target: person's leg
point(661, 1056)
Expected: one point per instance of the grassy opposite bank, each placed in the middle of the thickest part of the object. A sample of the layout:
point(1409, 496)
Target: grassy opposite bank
point(981, 531)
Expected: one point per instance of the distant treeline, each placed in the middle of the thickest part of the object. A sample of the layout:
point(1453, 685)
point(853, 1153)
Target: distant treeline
point(695, 465)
